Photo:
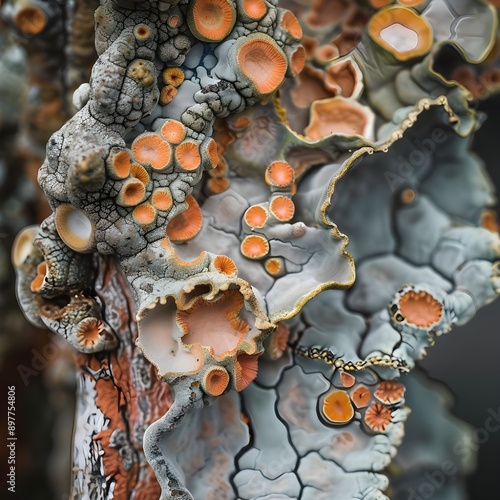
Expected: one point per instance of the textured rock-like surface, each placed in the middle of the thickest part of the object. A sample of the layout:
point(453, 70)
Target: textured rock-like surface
point(234, 204)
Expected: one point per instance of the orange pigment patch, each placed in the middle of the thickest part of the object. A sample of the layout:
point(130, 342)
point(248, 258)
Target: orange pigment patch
point(241, 122)
point(380, 3)
point(215, 381)
point(144, 214)
point(336, 116)
point(173, 131)
point(167, 94)
point(279, 174)
point(282, 208)
point(326, 13)
point(139, 172)
point(167, 245)
point(298, 60)
point(211, 20)
point(311, 86)
point(411, 3)
point(361, 396)
point(347, 41)
point(246, 368)
point(188, 155)
point(420, 308)
point(408, 196)
point(153, 150)
point(263, 62)
point(254, 247)
point(378, 417)
point(343, 76)
point(256, 216)
point(225, 265)
point(218, 185)
point(221, 168)
point(31, 20)
point(347, 379)
point(326, 53)
point(275, 266)
point(489, 221)
point(222, 135)
point(162, 199)
point(254, 9)
point(131, 193)
point(173, 76)
point(120, 165)
point(89, 332)
point(116, 392)
point(37, 283)
point(174, 21)
point(279, 341)
point(310, 44)
point(337, 408)
point(212, 153)
point(142, 32)
point(187, 224)
point(389, 392)
point(291, 25)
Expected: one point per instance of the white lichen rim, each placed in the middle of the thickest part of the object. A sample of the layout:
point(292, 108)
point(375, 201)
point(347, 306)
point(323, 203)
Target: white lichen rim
point(23, 245)
point(75, 228)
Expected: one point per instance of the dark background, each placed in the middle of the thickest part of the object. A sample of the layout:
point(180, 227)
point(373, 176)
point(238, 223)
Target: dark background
point(467, 359)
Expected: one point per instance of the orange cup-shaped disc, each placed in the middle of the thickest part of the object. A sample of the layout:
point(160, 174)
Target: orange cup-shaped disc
point(75, 228)
point(118, 165)
point(144, 214)
point(211, 20)
point(262, 62)
point(256, 216)
point(361, 396)
point(151, 149)
point(279, 174)
point(254, 247)
point(30, 19)
point(337, 408)
point(215, 381)
point(162, 199)
point(401, 32)
point(254, 9)
point(173, 131)
point(378, 417)
point(187, 224)
point(420, 308)
point(131, 193)
point(188, 155)
point(225, 265)
point(282, 208)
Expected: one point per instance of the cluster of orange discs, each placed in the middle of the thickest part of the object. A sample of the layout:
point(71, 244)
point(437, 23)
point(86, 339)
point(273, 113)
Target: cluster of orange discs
point(338, 406)
point(172, 78)
point(280, 176)
point(159, 153)
point(219, 181)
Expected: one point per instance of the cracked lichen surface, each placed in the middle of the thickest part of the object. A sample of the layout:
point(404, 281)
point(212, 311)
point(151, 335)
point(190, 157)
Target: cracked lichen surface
point(236, 178)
